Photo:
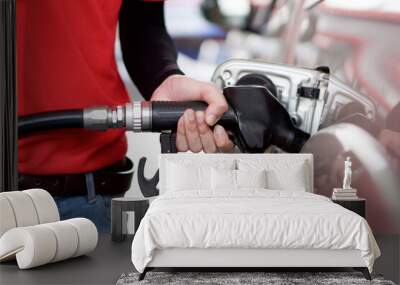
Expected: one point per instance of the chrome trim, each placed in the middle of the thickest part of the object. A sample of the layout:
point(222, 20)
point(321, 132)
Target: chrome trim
point(96, 118)
point(128, 116)
point(136, 125)
point(146, 116)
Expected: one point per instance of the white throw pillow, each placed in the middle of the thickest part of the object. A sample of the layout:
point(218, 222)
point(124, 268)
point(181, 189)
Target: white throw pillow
point(251, 178)
point(292, 180)
point(184, 177)
point(285, 174)
point(186, 174)
point(223, 179)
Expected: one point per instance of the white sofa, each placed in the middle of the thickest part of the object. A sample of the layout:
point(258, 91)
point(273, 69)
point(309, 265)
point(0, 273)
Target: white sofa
point(31, 231)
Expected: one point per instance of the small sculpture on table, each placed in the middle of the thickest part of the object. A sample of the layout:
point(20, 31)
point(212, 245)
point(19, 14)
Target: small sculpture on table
point(347, 174)
point(347, 192)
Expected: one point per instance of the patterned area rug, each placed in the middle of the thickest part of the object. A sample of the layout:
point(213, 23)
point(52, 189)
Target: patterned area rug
point(243, 278)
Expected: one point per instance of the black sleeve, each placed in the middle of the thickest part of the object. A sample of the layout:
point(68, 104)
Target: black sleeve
point(148, 51)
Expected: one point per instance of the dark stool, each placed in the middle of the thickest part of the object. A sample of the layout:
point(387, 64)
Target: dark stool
point(119, 213)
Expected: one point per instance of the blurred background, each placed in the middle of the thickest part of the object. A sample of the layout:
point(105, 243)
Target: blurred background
point(358, 40)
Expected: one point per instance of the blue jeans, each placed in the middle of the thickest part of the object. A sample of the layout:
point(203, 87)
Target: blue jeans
point(98, 211)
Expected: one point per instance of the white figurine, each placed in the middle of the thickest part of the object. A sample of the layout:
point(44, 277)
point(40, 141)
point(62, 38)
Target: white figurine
point(347, 174)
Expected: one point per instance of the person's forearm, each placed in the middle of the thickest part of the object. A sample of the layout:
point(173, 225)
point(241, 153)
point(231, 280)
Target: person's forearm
point(148, 51)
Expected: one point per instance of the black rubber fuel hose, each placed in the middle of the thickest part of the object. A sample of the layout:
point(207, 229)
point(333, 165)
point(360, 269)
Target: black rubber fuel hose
point(50, 121)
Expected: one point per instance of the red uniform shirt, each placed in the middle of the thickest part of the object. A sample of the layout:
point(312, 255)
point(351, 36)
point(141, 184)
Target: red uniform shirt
point(65, 60)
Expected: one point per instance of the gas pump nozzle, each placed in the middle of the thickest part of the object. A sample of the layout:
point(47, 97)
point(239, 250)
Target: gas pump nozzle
point(255, 118)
